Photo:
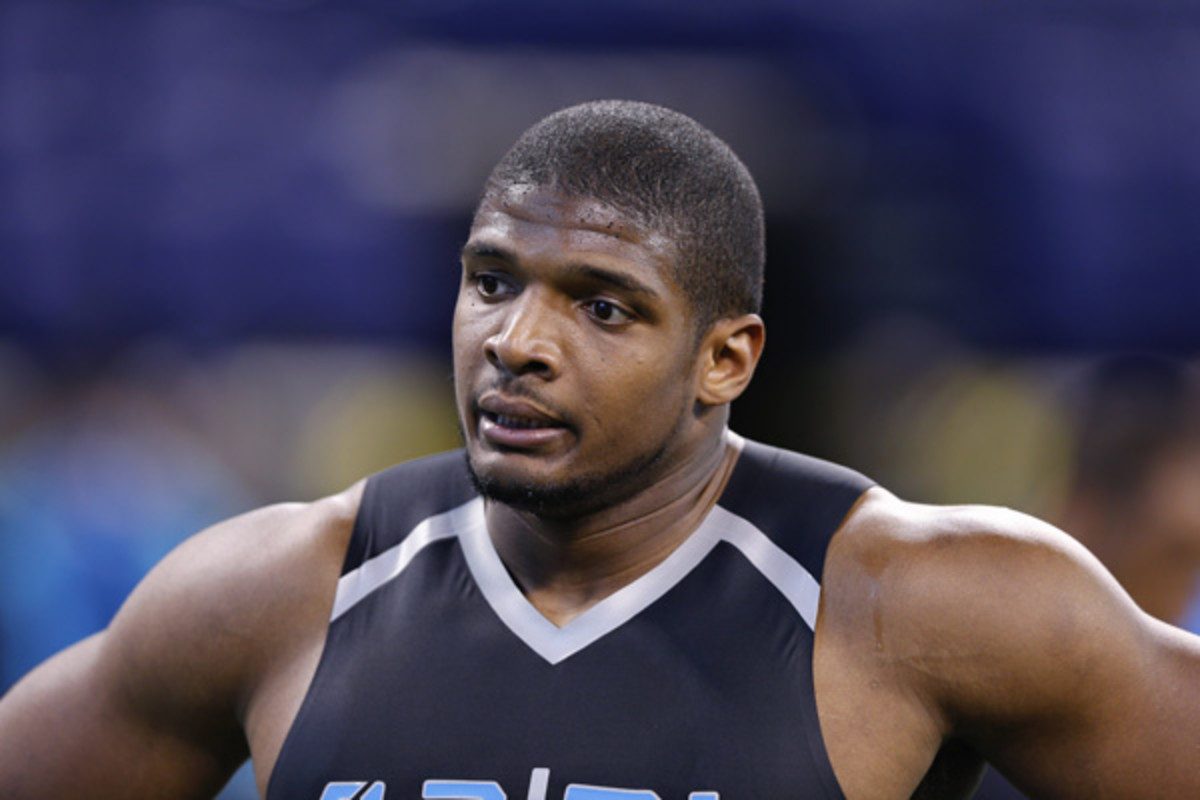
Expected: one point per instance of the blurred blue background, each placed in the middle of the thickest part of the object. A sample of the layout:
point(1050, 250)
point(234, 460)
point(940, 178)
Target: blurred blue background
point(228, 238)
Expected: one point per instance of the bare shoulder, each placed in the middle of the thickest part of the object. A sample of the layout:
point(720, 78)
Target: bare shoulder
point(252, 561)
point(231, 597)
point(223, 632)
point(989, 627)
point(975, 592)
point(884, 524)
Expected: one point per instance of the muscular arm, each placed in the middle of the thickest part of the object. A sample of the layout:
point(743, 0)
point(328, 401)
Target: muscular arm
point(158, 705)
point(981, 630)
point(77, 727)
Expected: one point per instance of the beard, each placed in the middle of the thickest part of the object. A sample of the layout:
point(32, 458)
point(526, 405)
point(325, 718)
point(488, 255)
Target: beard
point(581, 495)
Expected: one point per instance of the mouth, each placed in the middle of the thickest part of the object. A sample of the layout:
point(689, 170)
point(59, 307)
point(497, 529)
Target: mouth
point(516, 424)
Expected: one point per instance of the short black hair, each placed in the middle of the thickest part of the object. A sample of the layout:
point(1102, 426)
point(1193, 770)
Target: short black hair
point(1130, 410)
point(670, 175)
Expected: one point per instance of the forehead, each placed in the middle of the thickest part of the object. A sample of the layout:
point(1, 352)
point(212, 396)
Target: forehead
point(537, 223)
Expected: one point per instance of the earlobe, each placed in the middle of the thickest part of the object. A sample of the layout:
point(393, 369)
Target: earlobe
point(730, 354)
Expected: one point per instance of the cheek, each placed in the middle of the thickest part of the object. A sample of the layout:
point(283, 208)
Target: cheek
point(466, 329)
point(465, 348)
point(656, 391)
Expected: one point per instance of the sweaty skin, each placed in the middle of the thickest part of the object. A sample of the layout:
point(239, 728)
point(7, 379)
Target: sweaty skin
point(945, 635)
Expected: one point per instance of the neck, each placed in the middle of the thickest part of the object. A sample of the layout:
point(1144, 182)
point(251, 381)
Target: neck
point(565, 566)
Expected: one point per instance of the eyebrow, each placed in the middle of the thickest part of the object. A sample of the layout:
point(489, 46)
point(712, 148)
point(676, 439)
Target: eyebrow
point(480, 250)
point(619, 280)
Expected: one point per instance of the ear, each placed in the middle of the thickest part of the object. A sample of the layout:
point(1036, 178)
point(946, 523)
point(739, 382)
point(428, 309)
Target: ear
point(728, 356)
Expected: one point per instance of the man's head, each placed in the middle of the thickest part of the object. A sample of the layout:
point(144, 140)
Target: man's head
point(1133, 499)
point(606, 316)
point(666, 172)
point(1133, 414)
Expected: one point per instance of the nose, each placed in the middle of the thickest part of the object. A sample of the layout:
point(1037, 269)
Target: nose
point(527, 341)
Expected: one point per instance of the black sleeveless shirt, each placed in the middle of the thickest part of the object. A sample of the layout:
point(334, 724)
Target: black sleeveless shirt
point(694, 682)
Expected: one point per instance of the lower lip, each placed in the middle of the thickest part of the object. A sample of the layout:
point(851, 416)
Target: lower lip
point(518, 438)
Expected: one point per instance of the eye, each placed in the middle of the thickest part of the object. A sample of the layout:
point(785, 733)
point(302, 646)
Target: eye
point(608, 312)
point(490, 285)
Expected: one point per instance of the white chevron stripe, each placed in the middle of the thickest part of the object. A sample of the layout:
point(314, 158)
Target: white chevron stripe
point(375, 572)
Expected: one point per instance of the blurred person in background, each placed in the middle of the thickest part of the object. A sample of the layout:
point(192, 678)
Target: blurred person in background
point(1135, 499)
point(609, 594)
point(1134, 494)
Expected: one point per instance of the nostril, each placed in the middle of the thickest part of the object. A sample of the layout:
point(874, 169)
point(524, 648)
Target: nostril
point(518, 351)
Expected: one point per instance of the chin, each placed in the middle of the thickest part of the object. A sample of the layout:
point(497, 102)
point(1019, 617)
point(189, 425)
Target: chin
point(512, 467)
point(522, 489)
point(560, 496)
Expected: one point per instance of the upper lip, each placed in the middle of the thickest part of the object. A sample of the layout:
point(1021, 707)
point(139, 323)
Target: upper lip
point(497, 404)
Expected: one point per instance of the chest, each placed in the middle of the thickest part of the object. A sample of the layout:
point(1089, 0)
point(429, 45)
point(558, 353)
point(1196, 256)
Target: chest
point(698, 690)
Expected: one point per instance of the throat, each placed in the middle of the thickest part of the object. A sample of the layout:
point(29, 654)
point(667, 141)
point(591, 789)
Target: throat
point(563, 569)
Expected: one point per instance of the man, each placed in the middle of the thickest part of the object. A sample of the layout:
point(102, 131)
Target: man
point(1134, 500)
point(621, 601)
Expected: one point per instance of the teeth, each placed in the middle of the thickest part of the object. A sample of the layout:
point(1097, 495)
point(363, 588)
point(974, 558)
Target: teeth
point(516, 422)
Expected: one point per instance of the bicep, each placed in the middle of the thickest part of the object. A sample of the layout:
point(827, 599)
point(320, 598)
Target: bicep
point(1126, 723)
point(157, 705)
point(1074, 690)
point(73, 727)
point(1013, 638)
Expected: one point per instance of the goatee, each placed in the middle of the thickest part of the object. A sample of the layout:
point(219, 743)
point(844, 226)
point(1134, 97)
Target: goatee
point(577, 497)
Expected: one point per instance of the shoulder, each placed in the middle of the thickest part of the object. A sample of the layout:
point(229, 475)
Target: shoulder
point(788, 469)
point(993, 628)
point(221, 610)
point(250, 558)
point(243, 602)
point(928, 553)
point(973, 623)
point(884, 532)
point(415, 489)
point(976, 607)
point(797, 499)
point(223, 622)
